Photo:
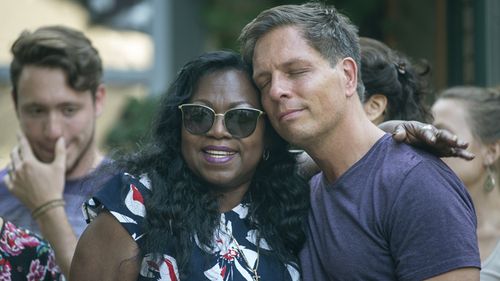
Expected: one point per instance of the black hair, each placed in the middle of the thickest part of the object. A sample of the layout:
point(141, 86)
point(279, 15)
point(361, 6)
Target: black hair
point(391, 74)
point(182, 204)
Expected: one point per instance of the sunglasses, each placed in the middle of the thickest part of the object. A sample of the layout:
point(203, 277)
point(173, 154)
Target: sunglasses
point(239, 122)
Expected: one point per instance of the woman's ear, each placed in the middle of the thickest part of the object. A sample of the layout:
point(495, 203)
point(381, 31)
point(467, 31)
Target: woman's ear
point(492, 153)
point(375, 108)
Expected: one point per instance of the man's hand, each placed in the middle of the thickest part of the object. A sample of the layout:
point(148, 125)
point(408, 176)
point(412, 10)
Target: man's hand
point(440, 142)
point(35, 183)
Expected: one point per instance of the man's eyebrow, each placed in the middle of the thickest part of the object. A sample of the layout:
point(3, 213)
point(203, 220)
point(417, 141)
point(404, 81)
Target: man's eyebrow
point(290, 63)
point(295, 62)
point(31, 104)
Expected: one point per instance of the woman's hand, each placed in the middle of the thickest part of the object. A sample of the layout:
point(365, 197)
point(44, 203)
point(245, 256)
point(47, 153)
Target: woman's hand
point(440, 142)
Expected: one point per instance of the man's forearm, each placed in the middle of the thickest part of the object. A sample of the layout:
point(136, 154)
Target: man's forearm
point(55, 228)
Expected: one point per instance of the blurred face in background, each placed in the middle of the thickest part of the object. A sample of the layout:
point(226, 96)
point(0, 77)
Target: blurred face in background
point(452, 114)
point(48, 108)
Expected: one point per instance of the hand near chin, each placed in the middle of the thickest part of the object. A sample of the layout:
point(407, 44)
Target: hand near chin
point(440, 142)
point(33, 182)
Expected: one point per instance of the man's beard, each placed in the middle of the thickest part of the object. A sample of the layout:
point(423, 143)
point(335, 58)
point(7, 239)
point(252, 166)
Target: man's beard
point(85, 150)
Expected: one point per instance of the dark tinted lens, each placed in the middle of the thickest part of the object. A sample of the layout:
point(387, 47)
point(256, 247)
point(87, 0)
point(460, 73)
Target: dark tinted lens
point(197, 119)
point(241, 122)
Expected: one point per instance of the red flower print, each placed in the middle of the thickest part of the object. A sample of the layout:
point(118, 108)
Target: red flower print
point(5, 269)
point(37, 271)
point(14, 240)
point(135, 202)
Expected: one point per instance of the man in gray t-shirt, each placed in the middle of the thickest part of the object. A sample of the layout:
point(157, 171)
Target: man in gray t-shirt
point(58, 94)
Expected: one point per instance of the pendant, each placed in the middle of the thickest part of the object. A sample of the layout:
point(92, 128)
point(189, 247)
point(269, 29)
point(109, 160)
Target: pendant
point(255, 276)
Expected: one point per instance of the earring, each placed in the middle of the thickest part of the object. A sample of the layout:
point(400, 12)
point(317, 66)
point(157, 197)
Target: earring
point(266, 154)
point(490, 183)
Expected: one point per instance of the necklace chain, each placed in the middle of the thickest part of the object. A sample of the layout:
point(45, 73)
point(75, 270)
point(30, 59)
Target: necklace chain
point(256, 276)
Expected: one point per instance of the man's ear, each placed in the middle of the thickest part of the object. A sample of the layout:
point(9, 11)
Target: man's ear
point(14, 101)
point(351, 75)
point(375, 108)
point(100, 98)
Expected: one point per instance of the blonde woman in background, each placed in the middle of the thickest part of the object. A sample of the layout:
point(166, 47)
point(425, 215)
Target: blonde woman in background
point(473, 114)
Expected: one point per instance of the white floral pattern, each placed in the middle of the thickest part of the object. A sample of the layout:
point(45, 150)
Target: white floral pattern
point(220, 262)
point(227, 251)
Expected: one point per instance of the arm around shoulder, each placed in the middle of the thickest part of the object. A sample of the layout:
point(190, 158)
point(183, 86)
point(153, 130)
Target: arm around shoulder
point(105, 252)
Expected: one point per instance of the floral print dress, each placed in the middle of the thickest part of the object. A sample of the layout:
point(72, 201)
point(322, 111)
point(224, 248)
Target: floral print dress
point(233, 256)
point(25, 256)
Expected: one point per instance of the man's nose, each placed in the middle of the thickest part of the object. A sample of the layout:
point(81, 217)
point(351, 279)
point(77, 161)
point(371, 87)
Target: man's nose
point(53, 127)
point(280, 88)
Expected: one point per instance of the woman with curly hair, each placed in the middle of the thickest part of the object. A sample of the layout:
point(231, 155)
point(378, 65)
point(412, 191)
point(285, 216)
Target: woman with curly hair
point(215, 196)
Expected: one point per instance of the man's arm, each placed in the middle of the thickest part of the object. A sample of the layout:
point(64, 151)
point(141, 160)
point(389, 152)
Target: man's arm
point(40, 186)
point(55, 228)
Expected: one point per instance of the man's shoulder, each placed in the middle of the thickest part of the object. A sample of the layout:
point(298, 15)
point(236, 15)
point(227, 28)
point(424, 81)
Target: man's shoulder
point(393, 156)
point(402, 155)
point(418, 168)
point(395, 161)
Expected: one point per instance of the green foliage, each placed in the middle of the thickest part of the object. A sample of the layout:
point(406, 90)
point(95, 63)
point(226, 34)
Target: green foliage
point(224, 19)
point(134, 124)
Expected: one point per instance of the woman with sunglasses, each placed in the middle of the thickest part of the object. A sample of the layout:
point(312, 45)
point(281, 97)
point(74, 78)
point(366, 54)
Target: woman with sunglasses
point(215, 196)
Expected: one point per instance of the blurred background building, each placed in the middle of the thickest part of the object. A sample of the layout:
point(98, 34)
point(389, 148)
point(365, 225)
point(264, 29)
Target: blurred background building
point(144, 42)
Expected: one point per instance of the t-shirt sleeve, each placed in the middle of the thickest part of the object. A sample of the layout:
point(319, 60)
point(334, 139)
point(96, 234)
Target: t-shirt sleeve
point(432, 224)
point(123, 196)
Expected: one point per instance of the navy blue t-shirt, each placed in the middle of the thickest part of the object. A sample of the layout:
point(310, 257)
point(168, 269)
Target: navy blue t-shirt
point(398, 214)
